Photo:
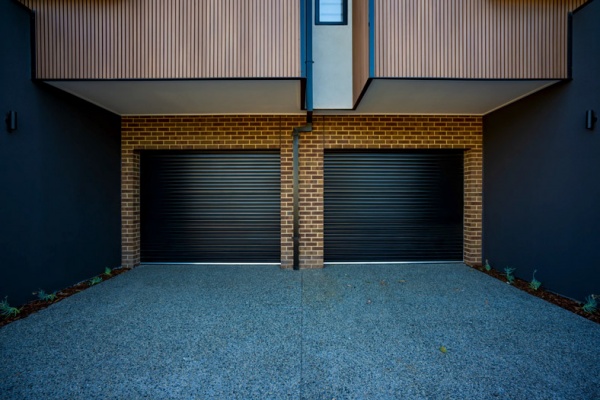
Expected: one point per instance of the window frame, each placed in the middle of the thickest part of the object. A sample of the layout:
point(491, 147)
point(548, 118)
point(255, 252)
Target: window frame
point(344, 14)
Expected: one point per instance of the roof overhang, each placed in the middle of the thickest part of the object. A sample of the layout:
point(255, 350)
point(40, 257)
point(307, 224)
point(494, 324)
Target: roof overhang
point(444, 96)
point(285, 96)
point(170, 97)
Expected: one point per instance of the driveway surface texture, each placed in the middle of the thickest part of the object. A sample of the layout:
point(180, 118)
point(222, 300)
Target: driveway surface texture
point(259, 332)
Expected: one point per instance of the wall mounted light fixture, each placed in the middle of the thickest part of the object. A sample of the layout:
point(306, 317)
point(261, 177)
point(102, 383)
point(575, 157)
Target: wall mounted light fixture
point(11, 121)
point(590, 119)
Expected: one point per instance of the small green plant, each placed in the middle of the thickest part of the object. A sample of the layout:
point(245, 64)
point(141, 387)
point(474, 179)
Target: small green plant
point(591, 305)
point(42, 295)
point(107, 271)
point(535, 284)
point(6, 310)
point(444, 349)
point(94, 281)
point(487, 266)
point(510, 278)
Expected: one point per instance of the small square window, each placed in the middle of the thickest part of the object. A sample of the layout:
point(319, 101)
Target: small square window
point(331, 12)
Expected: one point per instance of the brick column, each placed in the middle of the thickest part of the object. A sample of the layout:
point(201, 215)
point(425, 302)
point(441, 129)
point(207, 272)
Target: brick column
point(130, 198)
point(287, 192)
point(473, 214)
point(311, 199)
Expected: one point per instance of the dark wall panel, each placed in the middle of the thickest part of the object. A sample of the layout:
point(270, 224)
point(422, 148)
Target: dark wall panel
point(59, 173)
point(542, 176)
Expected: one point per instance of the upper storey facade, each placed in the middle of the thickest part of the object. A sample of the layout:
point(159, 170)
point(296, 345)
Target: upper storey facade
point(387, 56)
point(461, 40)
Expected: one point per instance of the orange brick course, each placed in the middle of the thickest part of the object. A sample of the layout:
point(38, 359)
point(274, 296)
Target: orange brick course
point(265, 132)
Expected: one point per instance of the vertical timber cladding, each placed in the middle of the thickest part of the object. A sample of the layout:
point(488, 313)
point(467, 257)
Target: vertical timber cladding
point(394, 206)
point(473, 39)
point(210, 206)
point(164, 39)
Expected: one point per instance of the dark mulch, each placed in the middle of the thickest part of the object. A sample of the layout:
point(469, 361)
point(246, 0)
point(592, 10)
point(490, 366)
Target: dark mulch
point(567, 304)
point(550, 297)
point(37, 305)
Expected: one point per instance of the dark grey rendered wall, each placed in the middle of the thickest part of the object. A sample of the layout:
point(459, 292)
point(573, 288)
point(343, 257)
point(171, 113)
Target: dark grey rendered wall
point(59, 177)
point(542, 176)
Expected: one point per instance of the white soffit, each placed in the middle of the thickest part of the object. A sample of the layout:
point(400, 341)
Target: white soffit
point(171, 97)
point(436, 96)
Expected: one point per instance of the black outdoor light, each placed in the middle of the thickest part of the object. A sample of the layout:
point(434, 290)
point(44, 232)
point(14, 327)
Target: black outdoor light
point(590, 119)
point(11, 121)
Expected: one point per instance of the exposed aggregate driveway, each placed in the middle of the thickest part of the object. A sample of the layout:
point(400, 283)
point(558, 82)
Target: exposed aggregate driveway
point(259, 332)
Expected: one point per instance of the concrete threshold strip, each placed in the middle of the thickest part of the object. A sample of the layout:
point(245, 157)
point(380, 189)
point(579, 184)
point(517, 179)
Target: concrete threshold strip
point(325, 264)
point(391, 262)
point(208, 263)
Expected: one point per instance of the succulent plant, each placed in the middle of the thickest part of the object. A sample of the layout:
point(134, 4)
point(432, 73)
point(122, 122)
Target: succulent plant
point(487, 265)
point(591, 305)
point(535, 284)
point(6, 310)
point(510, 278)
point(94, 281)
point(42, 295)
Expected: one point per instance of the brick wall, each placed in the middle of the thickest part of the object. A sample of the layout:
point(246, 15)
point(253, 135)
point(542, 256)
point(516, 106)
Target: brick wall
point(257, 132)
point(387, 132)
point(263, 132)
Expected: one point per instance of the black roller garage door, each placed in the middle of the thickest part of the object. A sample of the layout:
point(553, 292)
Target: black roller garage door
point(210, 207)
point(401, 206)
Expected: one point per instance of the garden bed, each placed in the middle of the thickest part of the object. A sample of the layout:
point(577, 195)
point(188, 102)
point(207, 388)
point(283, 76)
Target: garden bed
point(37, 305)
point(563, 302)
point(568, 304)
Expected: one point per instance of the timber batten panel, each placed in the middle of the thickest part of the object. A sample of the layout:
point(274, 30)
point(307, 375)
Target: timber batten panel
point(472, 39)
point(158, 39)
